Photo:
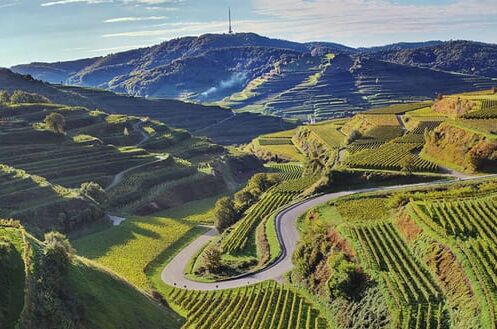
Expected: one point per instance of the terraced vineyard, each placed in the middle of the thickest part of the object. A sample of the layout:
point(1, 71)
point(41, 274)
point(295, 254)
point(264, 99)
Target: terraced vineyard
point(469, 226)
point(392, 156)
point(273, 199)
point(328, 133)
point(400, 108)
point(265, 306)
point(488, 110)
point(287, 171)
point(411, 288)
point(274, 141)
point(361, 145)
point(425, 125)
point(135, 159)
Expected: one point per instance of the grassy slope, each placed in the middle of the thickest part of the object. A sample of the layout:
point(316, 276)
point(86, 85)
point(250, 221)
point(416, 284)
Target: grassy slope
point(137, 245)
point(106, 300)
point(129, 247)
point(11, 277)
point(110, 302)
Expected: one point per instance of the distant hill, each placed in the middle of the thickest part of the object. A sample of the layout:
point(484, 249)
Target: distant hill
point(401, 46)
point(246, 69)
point(466, 57)
point(167, 62)
point(338, 86)
point(204, 68)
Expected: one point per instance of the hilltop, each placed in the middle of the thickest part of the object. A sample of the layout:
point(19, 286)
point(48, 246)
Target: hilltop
point(461, 56)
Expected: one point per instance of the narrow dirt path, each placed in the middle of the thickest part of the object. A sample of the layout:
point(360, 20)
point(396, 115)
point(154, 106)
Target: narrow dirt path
point(119, 176)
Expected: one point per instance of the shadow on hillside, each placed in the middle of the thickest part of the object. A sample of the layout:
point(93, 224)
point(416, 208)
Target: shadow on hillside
point(98, 244)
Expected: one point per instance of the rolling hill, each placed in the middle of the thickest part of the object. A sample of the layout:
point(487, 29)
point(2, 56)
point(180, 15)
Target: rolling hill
point(222, 125)
point(281, 77)
point(336, 86)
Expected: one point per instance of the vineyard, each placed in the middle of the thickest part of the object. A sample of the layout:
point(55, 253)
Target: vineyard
point(412, 291)
point(392, 156)
point(328, 133)
point(425, 125)
point(275, 141)
point(361, 145)
point(470, 226)
point(275, 198)
point(286, 171)
point(262, 306)
point(399, 108)
point(488, 110)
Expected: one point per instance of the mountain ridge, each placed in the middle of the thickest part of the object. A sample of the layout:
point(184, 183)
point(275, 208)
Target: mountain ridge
point(213, 67)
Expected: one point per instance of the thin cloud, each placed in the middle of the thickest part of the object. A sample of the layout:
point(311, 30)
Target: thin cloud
point(134, 19)
point(153, 2)
point(91, 2)
point(66, 2)
point(9, 4)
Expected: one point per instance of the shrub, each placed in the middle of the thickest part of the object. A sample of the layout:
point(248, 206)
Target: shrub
point(55, 122)
point(94, 191)
point(58, 253)
point(19, 97)
point(346, 280)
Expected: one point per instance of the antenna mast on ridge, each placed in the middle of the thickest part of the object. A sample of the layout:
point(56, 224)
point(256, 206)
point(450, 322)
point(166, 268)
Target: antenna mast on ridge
point(230, 30)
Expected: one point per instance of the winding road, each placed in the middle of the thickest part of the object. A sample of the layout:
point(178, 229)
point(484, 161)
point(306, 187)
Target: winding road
point(288, 236)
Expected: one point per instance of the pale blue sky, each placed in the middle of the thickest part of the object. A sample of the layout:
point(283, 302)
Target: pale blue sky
point(51, 30)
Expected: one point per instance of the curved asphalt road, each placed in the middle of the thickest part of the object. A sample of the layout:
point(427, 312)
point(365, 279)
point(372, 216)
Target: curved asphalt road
point(286, 221)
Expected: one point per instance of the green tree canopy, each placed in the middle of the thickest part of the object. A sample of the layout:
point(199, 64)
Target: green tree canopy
point(212, 259)
point(225, 213)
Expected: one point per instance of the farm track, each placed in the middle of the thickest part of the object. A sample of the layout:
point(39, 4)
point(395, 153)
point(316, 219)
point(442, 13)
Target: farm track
point(288, 236)
point(119, 176)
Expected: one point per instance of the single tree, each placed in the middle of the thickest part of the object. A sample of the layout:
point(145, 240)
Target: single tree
point(225, 213)
point(407, 164)
point(354, 135)
point(58, 253)
point(244, 199)
point(212, 259)
point(4, 97)
point(55, 122)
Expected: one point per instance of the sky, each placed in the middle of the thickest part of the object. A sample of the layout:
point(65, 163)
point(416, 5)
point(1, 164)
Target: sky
point(53, 30)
